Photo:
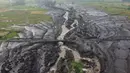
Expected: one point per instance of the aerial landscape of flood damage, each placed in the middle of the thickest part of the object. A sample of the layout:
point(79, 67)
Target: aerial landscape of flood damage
point(64, 36)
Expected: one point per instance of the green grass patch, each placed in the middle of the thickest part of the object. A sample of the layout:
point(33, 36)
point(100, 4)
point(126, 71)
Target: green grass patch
point(22, 17)
point(11, 35)
point(77, 67)
point(5, 35)
point(10, 15)
point(111, 8)
point(29, 15)
point(19, 15)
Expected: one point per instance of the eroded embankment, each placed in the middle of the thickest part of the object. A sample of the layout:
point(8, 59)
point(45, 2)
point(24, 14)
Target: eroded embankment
point(79, 25)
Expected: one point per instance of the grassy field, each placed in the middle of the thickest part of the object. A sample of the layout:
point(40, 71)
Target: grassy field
point(113, 8)
point(22, 15)
point(18, 15)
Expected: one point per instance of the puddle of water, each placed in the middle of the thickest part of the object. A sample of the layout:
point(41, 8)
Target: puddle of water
point(65, 30)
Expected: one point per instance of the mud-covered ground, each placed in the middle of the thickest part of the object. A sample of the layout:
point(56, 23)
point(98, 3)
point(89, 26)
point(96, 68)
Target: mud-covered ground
point(86, 27)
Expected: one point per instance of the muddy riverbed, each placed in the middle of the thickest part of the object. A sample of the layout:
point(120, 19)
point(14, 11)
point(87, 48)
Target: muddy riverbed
point(84, 26)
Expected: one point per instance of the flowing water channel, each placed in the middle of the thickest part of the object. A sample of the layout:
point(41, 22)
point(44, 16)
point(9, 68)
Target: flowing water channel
point(75, 53)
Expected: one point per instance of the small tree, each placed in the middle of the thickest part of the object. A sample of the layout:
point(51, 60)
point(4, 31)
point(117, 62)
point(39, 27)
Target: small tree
point(128, 7)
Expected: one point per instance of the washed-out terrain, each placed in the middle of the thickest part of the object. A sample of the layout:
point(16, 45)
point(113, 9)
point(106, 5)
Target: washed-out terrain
point(14, 16)
point(79, 39)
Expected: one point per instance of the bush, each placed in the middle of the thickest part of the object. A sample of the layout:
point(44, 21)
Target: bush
point(128, 7)
point(77, 66)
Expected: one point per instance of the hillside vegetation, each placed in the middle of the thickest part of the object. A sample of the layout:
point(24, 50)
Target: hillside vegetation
point(19, 15)
point(112, 8)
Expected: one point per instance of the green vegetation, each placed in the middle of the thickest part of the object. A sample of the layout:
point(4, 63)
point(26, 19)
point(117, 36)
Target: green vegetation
point(18, 15)
point(8, 34)
point(112, 8)
point(30, 15)
point(128, 8)
point(77, 67)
